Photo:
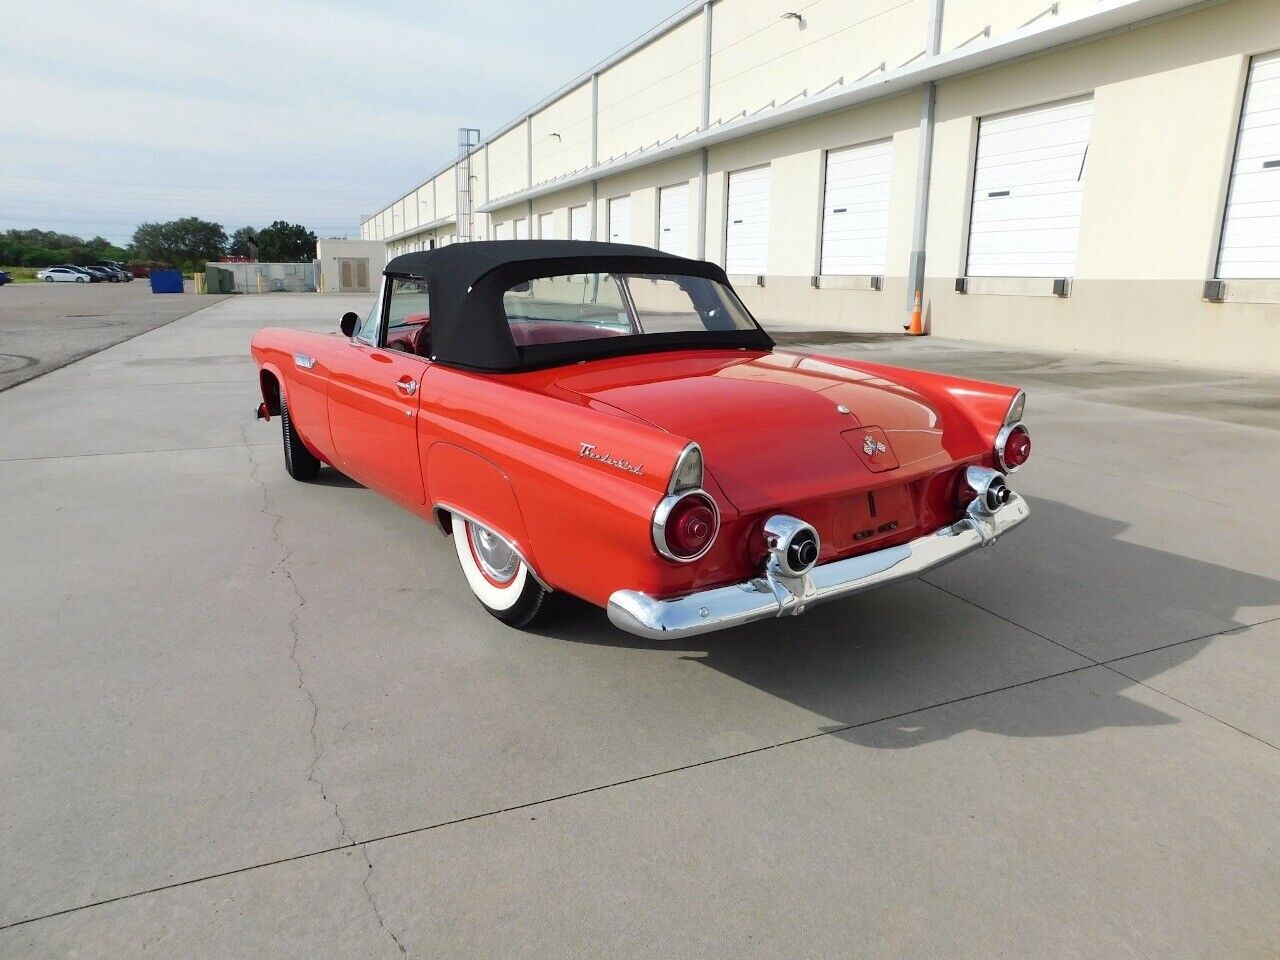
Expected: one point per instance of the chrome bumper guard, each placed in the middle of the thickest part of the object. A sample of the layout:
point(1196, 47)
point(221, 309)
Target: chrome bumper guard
point(776, 595)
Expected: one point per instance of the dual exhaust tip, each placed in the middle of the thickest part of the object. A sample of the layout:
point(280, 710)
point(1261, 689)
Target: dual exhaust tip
point(793, 545)
point(991, 492)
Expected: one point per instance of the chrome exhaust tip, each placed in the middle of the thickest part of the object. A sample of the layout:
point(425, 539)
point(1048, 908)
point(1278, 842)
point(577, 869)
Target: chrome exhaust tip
point(991, 491)
point(793, 545)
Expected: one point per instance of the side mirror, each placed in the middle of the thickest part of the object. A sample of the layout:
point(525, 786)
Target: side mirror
point(348, 324)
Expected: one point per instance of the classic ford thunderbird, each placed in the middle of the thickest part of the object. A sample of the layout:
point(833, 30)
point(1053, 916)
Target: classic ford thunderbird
point(610, 421)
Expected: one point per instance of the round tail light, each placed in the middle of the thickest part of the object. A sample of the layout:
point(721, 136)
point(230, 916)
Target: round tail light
point(685, 526)
point(1013, 447)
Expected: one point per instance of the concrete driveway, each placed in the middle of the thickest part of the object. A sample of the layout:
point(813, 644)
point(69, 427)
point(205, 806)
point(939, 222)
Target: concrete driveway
point(44, 326)
point(246, 717)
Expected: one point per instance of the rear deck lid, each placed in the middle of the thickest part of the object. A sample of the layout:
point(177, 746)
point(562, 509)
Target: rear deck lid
point(775, 428)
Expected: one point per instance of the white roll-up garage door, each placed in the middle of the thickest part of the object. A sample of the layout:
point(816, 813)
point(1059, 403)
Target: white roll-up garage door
point(746, 246)
point(1028, 190)
point(855, 209)
point(502, 230)
point(579, 223)
point(620, 219)
point(1251, 231)
point(522, 229)
point(546, 226)
point(673, 219)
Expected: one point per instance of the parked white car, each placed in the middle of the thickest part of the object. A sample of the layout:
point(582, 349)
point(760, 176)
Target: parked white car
point(63, 275)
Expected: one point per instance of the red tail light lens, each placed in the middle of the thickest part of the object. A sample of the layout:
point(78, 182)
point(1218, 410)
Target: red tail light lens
point(689, 527)
point(1016, 448)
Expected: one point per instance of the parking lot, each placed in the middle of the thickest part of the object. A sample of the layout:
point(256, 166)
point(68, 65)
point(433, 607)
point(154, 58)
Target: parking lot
point(44, 326)
point(244, 716)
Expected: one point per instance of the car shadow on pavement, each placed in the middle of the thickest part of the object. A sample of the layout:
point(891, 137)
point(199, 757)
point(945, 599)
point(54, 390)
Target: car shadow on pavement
point(329, 477)
point(886, 654)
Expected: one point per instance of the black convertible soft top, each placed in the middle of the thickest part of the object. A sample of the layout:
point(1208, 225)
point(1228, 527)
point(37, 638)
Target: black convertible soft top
point(469, 327)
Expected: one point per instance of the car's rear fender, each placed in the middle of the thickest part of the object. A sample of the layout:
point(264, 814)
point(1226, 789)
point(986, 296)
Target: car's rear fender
point(466, 484)
point(586, 515)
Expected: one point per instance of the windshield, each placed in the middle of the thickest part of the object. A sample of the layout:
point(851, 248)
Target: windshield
point(592, 306)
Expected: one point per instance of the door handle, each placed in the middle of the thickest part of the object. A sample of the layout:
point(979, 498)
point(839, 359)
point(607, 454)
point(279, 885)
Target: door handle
point(407, 386)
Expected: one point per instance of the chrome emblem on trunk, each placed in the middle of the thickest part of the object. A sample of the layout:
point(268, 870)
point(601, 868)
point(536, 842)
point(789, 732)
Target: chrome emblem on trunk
point(871, 446)
point(588, 451)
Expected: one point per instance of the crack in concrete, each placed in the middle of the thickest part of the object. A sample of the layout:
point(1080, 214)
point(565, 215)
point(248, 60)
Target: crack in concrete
point(640, 778)
point(317, 751)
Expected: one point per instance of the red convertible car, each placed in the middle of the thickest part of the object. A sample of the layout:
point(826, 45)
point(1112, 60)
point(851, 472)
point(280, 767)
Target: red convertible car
point(610, 421)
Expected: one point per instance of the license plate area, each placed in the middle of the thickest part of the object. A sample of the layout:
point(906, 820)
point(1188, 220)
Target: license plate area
point(864, 519)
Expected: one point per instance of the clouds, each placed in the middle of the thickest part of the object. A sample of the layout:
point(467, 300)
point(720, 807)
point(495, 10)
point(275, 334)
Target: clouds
point(244, 112)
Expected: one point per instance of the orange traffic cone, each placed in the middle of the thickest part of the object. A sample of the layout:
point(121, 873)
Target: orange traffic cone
point(917, 318)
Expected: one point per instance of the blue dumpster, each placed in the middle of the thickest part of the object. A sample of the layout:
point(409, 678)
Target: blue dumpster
point(166, 281)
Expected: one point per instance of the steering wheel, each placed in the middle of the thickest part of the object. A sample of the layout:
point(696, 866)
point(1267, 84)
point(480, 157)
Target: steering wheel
point(421, 340)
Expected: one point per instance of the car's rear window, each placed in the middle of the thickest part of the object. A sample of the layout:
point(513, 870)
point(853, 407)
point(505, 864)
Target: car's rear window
point(593, 306)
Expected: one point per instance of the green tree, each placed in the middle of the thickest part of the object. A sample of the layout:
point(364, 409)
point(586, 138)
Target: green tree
point(244, 243)
point(286, 243)
point(187, 243)
point(42, 248)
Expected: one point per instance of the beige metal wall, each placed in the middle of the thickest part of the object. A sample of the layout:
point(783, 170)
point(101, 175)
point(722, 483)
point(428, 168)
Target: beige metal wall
point(759, 59)
point(654, 94)
point(508, 162)
point(968, 21)
point(1166, 102)
point(424, 199)
point(561, 135)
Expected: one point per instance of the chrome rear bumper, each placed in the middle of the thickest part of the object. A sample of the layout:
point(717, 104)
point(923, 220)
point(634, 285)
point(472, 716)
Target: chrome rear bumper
point(774, 595)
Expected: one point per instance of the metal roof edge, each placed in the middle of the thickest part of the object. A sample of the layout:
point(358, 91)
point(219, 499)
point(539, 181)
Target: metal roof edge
point(1087, 24)
point(421, 228)
point(685, 13)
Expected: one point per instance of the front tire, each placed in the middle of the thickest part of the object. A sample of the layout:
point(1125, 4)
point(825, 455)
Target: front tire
point(501, 581)
point(48, 279)
point(299, 462)
point(81, 280)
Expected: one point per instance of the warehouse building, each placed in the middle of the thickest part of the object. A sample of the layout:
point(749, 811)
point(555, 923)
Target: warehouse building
point(1079, 175)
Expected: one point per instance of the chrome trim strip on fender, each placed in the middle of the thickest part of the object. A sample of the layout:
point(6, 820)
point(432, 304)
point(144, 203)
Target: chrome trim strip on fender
point(771, 596)
point(436, 508)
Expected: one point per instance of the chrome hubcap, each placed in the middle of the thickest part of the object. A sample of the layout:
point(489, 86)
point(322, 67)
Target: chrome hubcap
point(495, 556)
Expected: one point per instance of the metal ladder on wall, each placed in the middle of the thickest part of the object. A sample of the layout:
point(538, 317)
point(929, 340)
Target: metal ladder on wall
point(468, 140)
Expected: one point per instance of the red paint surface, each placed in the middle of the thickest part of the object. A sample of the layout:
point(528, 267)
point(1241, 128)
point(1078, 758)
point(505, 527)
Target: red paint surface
point(505, 448)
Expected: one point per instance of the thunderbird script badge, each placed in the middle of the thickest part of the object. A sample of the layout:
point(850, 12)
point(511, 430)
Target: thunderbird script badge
point(588, 451)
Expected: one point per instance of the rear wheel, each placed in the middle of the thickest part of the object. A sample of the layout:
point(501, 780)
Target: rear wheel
point(300, 462)
point(501, 581)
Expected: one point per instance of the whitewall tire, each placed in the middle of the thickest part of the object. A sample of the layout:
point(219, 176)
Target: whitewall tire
point(497, 576)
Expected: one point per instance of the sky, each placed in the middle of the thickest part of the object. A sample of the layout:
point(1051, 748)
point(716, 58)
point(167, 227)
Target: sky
point(248, 111)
